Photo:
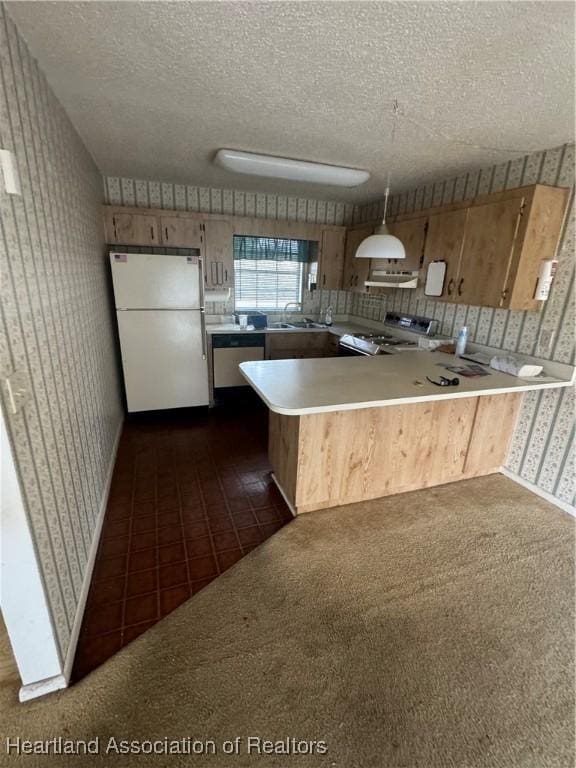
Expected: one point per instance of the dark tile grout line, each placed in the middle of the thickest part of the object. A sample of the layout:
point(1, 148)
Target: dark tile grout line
point(184, 539)
point(206, 519)
point(157, 569)
point(127, 555)
point(208, 472)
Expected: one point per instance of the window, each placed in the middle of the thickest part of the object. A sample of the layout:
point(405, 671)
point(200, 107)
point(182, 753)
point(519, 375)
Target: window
point(268, 272)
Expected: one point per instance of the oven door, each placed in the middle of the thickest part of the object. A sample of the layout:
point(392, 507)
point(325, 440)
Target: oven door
point(346, 351)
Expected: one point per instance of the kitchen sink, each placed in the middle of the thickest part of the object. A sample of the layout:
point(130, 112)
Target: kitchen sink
point(297, 324)
point(307, 324)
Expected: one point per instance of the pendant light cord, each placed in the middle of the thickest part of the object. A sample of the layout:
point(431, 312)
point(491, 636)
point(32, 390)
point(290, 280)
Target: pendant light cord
point(393, 138)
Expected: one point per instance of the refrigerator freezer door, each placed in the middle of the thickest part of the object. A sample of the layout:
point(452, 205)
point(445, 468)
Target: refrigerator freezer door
point(162, 359)
point(154, 281)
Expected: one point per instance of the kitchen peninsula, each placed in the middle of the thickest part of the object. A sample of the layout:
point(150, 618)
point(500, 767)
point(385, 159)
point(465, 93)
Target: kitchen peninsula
point(344, 430)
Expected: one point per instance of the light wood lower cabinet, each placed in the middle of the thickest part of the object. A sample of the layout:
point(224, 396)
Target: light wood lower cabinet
point(328, 459)
point(298, 345)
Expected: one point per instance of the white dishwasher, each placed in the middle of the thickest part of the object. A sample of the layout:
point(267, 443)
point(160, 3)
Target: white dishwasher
point(231, 349)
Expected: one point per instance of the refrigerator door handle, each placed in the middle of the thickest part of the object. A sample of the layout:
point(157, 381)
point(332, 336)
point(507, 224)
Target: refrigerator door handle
point(201, 281)
point(202, 317)
point(203, 332)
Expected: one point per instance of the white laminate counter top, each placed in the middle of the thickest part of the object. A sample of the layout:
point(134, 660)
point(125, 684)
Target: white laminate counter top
point(296, 387)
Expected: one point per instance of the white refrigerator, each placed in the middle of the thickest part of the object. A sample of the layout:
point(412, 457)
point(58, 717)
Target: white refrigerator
point(160, 311)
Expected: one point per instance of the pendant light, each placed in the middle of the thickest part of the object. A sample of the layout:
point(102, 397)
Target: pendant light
point(383, 245)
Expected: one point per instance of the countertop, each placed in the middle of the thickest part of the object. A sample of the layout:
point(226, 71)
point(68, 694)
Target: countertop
point(296, 387)
point(337, 328)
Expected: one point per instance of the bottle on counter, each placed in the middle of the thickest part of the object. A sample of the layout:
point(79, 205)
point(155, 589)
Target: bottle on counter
point(461, 341)
point(328, 316)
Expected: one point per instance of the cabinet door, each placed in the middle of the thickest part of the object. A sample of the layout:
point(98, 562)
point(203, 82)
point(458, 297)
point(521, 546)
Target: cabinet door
point(356, 271)
point(181, 231)
point(444, 242)
point(295, 345)
point(412, 234)
point(132, 229)
point(218, 253)
point(490, 237)
point(331, 259)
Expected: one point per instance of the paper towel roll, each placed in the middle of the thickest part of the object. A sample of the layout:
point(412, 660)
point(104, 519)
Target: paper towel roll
point(217, 294)
point(516, 366)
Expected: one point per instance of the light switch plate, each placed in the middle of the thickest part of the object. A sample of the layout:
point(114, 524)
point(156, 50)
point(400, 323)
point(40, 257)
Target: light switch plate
point(16, 391)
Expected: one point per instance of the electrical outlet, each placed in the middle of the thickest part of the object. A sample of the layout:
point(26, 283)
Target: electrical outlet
point(545, 341)
point(16, 391)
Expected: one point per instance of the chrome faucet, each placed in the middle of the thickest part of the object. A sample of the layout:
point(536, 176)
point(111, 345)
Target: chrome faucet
point(289, 304)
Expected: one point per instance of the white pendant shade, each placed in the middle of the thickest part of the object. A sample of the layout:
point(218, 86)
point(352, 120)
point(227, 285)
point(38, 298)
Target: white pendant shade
point(381, 246)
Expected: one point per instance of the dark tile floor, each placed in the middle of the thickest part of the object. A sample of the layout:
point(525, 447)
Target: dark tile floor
point(191, 495)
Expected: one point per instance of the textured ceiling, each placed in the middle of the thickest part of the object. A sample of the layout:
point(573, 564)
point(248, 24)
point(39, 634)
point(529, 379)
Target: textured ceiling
point(156, 88)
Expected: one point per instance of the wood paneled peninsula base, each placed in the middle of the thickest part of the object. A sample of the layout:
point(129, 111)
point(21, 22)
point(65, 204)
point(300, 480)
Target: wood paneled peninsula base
point(340, 457)
point(349, 429)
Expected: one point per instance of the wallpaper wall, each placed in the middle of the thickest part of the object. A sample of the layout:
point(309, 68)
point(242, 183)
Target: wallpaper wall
point(55, 326)
point(156, 194)
point(542, 451)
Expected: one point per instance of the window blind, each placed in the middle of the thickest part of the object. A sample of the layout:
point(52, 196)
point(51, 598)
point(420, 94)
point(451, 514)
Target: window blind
point(268, 272)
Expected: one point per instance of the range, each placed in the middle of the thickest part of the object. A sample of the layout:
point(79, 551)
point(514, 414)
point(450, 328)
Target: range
point(352, 344)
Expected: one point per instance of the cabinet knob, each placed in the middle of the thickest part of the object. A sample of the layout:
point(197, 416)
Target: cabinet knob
point(151, 233)
point(166, 233)
point(450, 286)
point(460, 284)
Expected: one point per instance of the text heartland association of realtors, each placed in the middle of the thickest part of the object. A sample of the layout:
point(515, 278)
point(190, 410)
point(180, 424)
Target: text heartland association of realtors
point(250, 745)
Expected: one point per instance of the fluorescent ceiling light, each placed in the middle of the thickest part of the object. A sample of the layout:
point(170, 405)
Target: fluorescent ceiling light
point(293, 170)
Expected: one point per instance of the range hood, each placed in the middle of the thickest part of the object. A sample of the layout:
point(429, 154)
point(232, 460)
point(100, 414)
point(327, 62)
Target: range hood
point(389, 278)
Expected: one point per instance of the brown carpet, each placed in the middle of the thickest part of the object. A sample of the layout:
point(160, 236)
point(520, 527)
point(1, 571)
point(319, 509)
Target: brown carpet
point(431, 629)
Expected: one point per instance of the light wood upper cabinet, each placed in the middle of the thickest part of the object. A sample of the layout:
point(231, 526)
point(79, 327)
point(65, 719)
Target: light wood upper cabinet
point(412, 233)
point(331, 259)
point(493, 245)
point(356, 271)
point(538, 237)
point(218, 253)
point(491, 232)
point(445, 242)
point(181, 231)
point(131, 228)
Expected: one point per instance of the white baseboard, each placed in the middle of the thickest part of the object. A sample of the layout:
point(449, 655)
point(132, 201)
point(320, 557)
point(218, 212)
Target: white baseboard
point(42, 687)
point(71, 652)
point(288, 503)
point(563, 505)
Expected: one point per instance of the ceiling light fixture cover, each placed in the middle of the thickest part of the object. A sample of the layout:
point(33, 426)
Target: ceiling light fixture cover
point(292, 170)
